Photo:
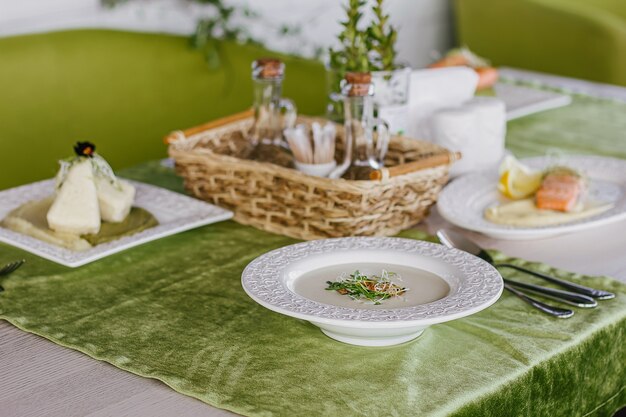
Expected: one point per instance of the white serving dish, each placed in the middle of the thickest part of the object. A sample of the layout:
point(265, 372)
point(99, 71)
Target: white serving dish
point(272, 281)
point(465, 199)
point(174, 211)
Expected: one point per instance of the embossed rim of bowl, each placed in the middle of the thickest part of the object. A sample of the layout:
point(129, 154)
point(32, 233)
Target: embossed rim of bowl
point(474, 284)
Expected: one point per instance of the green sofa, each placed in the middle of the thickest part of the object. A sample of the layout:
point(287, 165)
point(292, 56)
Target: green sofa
point(123, 91)
point(576, 38)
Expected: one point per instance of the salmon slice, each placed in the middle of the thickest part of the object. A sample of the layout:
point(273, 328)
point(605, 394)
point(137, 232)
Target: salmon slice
point(559, 192)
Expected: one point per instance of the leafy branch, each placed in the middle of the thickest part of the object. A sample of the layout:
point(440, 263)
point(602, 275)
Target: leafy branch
point(364, 49)
point(381, 40)
point(224, 22)
point(220, 26)
point(352, 56)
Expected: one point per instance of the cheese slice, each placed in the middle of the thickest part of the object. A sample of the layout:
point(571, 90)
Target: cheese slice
point(75, 208)
point(115, 199)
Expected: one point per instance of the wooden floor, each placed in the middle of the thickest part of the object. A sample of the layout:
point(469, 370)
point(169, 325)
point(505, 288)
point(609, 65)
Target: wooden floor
point(39, 378)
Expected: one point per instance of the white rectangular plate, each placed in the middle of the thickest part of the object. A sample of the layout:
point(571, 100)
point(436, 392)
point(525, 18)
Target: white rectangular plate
point(175, 213)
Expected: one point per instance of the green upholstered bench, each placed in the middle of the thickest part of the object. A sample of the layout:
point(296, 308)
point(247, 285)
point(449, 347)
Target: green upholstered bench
point(122, 90)
point(576, 38)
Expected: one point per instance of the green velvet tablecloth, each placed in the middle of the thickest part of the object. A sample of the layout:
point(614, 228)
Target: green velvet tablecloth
point(589, 125)
point(174, 310)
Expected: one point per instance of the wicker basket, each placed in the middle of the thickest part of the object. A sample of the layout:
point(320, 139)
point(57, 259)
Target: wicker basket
point(285, 201)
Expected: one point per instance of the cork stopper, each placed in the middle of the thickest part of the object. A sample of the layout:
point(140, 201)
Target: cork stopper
point(358, 83)
point(268, 68)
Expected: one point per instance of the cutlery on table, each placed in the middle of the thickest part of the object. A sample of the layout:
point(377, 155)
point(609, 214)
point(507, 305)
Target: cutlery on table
point(10, 267)
point(566, 297)
point(563, 296)
point(459, 241)
point(561, 313)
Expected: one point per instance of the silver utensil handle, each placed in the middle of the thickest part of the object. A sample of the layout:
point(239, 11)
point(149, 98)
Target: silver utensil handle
point(567, 297)
point(581, 289)
point(560, 313)
point(9, 268)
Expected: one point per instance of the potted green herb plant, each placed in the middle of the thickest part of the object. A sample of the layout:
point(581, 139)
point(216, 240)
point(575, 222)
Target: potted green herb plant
point(370, 48)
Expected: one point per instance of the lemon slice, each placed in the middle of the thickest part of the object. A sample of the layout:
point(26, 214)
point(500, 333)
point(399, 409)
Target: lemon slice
point(518, 181)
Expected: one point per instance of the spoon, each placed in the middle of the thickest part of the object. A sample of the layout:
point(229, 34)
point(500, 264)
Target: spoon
point(457, 240)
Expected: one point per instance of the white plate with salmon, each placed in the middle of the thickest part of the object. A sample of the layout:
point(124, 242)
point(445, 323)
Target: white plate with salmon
point(538, 197)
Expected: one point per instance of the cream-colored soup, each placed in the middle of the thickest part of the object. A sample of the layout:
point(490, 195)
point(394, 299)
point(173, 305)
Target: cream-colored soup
point(423, 286)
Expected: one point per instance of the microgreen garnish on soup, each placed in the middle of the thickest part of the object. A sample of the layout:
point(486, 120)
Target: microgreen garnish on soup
point(372, 288)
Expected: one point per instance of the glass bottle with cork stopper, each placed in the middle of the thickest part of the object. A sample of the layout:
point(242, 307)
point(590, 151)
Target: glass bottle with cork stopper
point(361, 127)
point(272, 112)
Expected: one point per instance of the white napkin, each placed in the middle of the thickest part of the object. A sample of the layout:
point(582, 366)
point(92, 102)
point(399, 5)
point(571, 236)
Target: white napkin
point(436, 89)
point(476, 129)
point(491, 119)
point(457, 130)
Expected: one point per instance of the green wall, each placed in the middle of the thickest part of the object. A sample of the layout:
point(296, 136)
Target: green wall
point(123, 91)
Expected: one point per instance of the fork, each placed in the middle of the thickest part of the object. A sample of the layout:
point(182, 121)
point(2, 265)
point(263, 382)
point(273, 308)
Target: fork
point(10, 267)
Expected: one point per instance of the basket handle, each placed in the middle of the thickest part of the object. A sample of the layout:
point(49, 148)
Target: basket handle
point(428, 162)
point(176, 135)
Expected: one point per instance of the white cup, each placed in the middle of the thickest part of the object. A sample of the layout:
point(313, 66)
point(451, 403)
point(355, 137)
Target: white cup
point(316, 170)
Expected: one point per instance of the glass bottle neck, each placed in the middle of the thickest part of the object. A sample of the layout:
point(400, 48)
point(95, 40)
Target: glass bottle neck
point(267, 128)
point(267, 93)
point(359, 108)
point(358, 116)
